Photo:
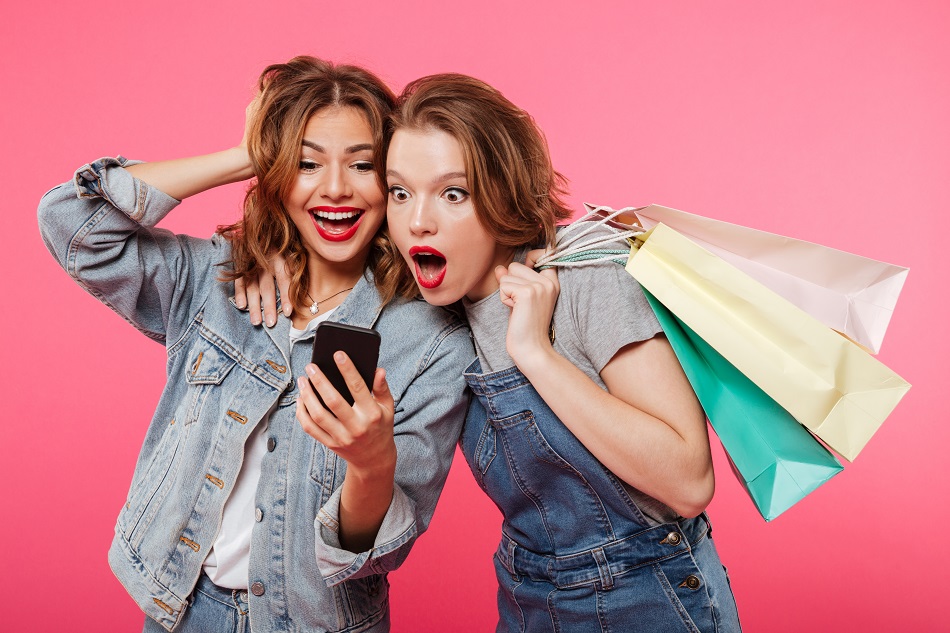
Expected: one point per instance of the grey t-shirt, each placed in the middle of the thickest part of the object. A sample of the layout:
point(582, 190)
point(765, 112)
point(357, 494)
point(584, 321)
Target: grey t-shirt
point(600, 309)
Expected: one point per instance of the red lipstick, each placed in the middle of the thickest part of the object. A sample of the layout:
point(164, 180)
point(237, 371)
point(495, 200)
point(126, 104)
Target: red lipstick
point(430, 266)
point(334, 223)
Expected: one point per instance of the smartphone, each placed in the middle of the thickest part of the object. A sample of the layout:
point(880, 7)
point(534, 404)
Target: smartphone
point(360, 344)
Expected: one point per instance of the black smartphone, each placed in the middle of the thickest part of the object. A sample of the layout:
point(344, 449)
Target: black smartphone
point(360, 344)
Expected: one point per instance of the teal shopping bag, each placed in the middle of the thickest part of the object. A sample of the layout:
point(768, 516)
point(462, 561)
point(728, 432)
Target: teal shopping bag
point(775, 458)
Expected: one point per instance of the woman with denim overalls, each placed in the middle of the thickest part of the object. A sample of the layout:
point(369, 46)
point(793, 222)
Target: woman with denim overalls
point(584, 430)
point(253, 507)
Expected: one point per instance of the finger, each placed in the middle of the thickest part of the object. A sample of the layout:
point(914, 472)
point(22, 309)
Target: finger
point(308, 397)
point(531, 259)
point(310, 426)
point(500, 271)
point(381, 392)
point(521, 271)
point(283, 284)
point(268, 298)
point(551, 275)
point(240, 294)
point(354, 381)
point(333, 402)
point(253, 301)
point(546, 278)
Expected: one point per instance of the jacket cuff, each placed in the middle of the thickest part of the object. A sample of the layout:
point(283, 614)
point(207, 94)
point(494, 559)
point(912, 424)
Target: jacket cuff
point(397, 530)
point(105, 179)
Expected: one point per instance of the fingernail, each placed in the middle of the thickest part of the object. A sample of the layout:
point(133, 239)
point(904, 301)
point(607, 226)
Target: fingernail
point(310, 370)
point(288, 309)
point(271, 321)
point(339, 357)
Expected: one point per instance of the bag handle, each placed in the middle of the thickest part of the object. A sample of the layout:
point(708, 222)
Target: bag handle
point(571, 250)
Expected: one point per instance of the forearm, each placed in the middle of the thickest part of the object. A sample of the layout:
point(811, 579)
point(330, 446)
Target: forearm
point(364, 501)
point(640, 448)
point(184, 177)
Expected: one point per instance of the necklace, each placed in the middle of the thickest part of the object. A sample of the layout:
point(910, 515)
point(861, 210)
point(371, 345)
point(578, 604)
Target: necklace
point(315, 307)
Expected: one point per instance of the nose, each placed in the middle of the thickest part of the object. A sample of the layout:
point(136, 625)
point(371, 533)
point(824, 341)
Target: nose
point(422, 218)
point(334, 185)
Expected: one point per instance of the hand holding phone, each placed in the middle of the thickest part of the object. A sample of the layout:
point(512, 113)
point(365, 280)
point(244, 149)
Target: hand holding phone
point(360, 344)
point(360, 432)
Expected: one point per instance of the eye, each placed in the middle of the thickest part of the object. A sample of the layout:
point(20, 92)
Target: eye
point(308, 166)
point(398, 194)
point(455, 195)
point(363, 166)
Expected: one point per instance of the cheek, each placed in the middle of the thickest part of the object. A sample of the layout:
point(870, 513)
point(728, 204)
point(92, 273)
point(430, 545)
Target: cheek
point(299, 195)
point(373, 195)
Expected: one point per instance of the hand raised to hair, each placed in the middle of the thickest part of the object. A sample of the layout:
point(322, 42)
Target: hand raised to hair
point(250, 113)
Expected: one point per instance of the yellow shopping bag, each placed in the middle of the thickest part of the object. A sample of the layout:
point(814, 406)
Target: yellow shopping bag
point(825, 381)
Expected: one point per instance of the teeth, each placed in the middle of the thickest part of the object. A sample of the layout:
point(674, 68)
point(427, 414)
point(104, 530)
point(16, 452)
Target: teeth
point(336, 215)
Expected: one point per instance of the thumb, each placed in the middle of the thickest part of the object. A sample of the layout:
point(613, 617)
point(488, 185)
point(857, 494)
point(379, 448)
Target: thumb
point(500, 271)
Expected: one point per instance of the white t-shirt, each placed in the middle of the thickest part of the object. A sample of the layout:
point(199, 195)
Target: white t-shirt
point(228, 562)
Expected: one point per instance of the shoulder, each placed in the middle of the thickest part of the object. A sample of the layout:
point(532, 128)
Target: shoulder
point(593, 281)
point(418, 320)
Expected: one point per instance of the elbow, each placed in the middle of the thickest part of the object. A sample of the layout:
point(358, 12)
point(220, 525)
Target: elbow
point(696, 496)
point(50, 217)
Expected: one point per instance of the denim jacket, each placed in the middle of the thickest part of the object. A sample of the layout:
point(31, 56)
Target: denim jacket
point(223, 376)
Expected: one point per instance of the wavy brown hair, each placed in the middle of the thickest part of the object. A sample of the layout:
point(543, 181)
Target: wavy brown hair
point(291, 93)
point(517, 194)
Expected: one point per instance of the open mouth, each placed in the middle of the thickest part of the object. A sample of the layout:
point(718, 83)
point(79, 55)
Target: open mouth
point(336, 224)
point(430, 266)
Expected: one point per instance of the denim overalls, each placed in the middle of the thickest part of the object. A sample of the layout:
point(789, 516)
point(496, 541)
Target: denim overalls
point(576, 553)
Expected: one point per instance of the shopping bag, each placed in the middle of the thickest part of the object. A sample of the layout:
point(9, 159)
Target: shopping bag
point(829, 384)
point(776, 459)
point(849, 293)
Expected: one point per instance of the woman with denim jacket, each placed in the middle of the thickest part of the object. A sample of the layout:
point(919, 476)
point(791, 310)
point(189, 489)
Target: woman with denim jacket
point(253, 507)
point(584, 430)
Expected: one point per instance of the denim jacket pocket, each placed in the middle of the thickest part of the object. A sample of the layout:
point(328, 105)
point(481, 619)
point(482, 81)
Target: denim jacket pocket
point(323, 470)
point(142, 503)
point(207, 366)
point(361, 601)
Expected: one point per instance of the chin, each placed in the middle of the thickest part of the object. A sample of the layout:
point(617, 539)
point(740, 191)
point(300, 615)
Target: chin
point(436, 297)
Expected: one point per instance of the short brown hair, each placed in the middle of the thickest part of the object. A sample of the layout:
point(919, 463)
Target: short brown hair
point(517, 194)
point(291, 94)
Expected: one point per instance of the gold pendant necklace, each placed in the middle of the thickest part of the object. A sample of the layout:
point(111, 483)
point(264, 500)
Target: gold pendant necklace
point(315, 307)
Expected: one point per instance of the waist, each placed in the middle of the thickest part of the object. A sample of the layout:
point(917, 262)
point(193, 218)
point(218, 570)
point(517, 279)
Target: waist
point(610, 559)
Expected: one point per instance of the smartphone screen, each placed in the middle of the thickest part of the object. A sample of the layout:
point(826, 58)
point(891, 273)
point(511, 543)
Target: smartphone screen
point(360, 344)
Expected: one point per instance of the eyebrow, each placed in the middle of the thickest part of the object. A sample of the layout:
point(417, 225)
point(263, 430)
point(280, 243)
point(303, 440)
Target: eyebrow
point(452, 175)
point(352, 149)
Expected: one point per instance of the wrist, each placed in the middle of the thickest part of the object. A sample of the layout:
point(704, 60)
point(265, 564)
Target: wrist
point(239, 160)
point(376, 471)
point(534, 358)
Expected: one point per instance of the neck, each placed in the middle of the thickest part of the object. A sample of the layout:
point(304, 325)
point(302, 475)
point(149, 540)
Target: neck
point(329, 285)
point(327, 277)
point(504, 255)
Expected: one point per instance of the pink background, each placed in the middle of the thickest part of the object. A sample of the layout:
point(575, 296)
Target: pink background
point(828, 121)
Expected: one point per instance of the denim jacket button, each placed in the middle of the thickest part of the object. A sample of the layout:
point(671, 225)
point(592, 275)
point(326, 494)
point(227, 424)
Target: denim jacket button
point(258, 514)
point(271, 444)
point(673, 538)
point(257, 588)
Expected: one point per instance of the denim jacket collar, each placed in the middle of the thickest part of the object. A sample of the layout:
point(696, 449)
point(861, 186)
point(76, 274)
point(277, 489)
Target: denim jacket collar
point(361, 308)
